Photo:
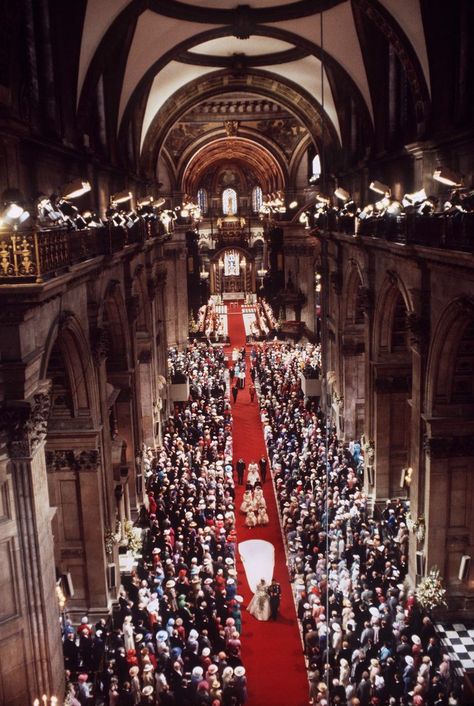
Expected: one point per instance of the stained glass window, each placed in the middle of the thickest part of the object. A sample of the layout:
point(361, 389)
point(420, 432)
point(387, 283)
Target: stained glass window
point(257, 199)
point(316, 166)
point(229, 202)
point(231, 263)
point(202, 200)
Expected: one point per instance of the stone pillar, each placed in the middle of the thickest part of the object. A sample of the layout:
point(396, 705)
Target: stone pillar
point(382, 443)
point(176, 295)
point(145, 402)
point(424, 163)
point(76, 487)
point(26, 426)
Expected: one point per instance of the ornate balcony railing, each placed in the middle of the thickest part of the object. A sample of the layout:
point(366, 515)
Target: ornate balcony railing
point(453, 231)
point(36, 256)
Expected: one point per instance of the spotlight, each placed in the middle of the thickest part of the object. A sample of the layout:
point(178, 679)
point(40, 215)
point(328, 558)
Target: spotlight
point(342, 194)
point(395, 208)
point(323, 199)
point(66, 209)
point(380, 188)
point(145, 201)
point(383, 204)
point(293, 204)
point(414, 198)
point(74, 189)
point(447, 176)
point(13, 212)
point(121, 197)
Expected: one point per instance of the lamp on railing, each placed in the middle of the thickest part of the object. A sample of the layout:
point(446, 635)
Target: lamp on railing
point(120, 197)
point(342, 194)
point(447, 176)
point(380, 188)
point(203, 275)
point(13, 213)
point(74, 189)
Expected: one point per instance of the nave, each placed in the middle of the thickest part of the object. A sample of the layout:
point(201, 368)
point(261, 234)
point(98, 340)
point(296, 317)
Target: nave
point(348, 630)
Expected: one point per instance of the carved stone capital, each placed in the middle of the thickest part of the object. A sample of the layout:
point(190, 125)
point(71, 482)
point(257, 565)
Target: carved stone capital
point(144, 357)
point(100, 344)
point(133, 307)
point(25, 424)
point(418, 329)
point(393, 383)
point(336, 282)
point(366, 300)
point(393, 277)
point(64, 319)
point(449, 446)
point(81, 461)
point(152, 285)
point(231, 127)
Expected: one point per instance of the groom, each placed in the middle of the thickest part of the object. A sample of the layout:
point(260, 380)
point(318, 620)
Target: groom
point(274, 592)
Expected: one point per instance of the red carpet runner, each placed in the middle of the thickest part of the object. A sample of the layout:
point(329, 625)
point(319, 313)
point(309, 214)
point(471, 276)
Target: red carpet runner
point(271, 651)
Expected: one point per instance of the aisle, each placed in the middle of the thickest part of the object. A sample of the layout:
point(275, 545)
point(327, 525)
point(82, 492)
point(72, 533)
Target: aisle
point(271, 651)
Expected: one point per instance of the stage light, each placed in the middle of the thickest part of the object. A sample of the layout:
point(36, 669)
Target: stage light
point(13, 212)
point(447, 176)
point(395, 208)
point(383, 204)
point(293, 204)
point(323, 199)
point(74, 189)
point(342, 194)
point(66, 209)
point(121, 197)
point(145, 201)
point(380, 188)
point(414, 198)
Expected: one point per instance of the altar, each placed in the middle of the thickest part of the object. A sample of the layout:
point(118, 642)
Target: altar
point(237, 296)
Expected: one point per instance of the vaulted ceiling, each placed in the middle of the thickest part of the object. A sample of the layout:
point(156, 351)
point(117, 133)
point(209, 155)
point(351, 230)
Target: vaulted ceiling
point(318, 60)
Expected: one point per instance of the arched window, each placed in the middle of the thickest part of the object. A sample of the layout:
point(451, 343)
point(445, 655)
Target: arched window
point(202, 200)
point(229, 202)
point(316, 166)
point(257, 199)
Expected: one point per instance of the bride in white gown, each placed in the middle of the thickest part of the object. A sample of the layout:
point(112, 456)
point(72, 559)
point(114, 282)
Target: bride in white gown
point(259, 606)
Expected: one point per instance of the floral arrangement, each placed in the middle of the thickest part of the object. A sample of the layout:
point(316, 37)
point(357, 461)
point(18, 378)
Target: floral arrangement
point(133, 537)
point(417, 526)
point(111, 538)
point(430, 592)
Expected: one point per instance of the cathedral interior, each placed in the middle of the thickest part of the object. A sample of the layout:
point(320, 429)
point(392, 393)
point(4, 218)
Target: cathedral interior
point(161, 157)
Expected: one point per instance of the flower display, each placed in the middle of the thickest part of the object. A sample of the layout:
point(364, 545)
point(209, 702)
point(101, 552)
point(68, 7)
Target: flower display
point(430, 593)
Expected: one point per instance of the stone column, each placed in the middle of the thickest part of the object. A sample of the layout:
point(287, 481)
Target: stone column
point(176, 294)
point(145, 402)
point(26, 426)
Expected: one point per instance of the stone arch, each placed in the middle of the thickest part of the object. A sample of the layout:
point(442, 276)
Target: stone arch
point(391, 385)
point(450, 367)
point(115, 324)
point(354, 294)
point(140, 303)
point(392, 293)
point(75, 473)
point(68, 354)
